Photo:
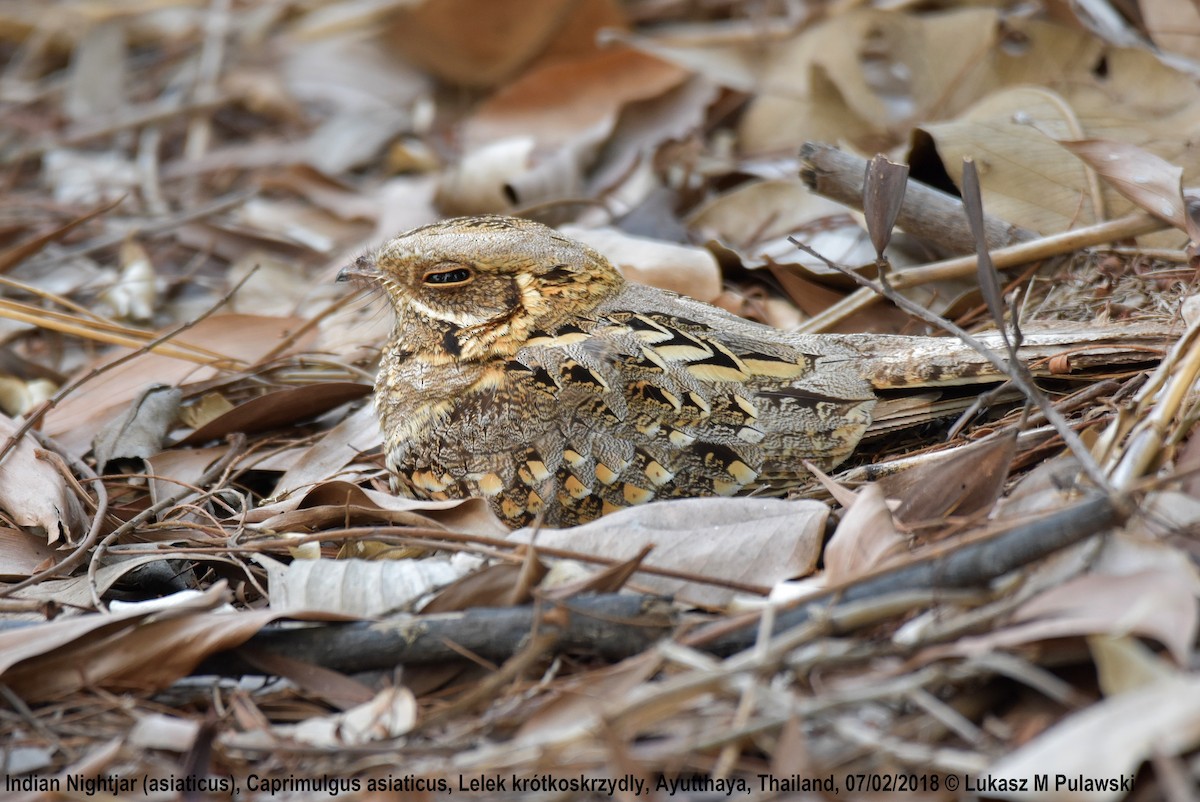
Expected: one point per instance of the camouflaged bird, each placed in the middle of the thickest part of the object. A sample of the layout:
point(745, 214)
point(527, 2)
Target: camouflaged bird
point(524, 369)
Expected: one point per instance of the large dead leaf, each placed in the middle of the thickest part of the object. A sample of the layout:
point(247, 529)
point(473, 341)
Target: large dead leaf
point(339, 500)
point(1154, 603)
point(1153, 184)
point(1174, 25)
point(145, 649)
point(357, 433)
point(568, 100)
point(960, 481)
point(480, 42)
point(248, 338)
point(744, 540)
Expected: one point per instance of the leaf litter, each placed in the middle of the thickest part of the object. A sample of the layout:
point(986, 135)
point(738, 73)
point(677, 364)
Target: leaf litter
point(189, 420)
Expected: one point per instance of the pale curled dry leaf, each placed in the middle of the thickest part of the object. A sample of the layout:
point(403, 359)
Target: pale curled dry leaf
point(865, 539)
point(747, 540)
point(141, 430)
point(1150, 603)
point(1124, 663)
point(34, 493)
point(134, 296)
point(359, 588)
point(1151, 182)
point(160, 731)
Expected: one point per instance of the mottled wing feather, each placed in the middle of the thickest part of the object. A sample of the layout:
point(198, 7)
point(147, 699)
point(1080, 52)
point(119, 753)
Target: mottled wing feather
point(652, 404)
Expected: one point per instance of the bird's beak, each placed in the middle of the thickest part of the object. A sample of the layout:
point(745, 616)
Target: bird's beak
point(361, 271)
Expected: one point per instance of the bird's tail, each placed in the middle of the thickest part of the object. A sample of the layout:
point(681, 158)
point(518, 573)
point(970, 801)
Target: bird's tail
point(898, 362)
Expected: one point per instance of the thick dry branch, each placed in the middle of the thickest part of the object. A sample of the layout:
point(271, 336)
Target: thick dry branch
point(969, 565)
point(928, 213)
point(616, 626)
point(612, 626)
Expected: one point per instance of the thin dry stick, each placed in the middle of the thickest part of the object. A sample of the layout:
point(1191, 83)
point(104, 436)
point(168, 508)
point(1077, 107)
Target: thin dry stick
point(71, 387)
point(308, 325)
point(1020, 378)
point(1157, 404)
point(1129, 226)
point(217, 470)
point(106, 331)
point(138, 115)
point(488, 546)
point(217, 206)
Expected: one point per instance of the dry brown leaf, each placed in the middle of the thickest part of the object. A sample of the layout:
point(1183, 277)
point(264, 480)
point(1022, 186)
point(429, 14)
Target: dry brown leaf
point(889, 69)
point(279, 408)
point(370, 94)
point(644, 125)
point(748, 540)
point(177, 468)
point(75, 593)
point(481, 42)
point(22, 554)
point(500, 585)
point(325, 459)
point(578, 705)
point(865, 539)
point(1023, 173)
point(141, 430)
point(960, 481)
point(1152, 183)
point(566, 101)
point(75, 421)
point(472, 516)
point(760, 211)
point(1153, 603)
point(146, 649)
point(33, 492)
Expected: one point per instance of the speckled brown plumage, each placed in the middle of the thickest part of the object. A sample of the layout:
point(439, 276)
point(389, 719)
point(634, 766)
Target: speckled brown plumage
point(524, 369)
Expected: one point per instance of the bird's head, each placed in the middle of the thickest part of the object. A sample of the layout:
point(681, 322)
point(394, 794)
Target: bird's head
point(478, 287)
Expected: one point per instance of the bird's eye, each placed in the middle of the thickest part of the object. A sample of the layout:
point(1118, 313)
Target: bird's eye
point(445, 278)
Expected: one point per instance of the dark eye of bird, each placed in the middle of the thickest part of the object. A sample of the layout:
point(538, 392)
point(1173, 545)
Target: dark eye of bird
point(459, 275)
